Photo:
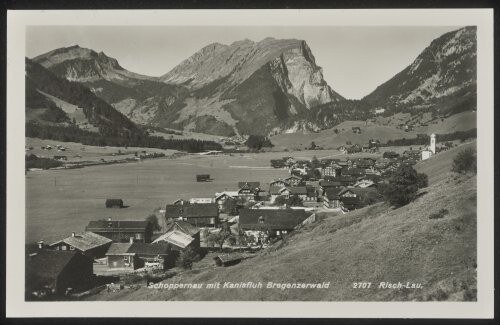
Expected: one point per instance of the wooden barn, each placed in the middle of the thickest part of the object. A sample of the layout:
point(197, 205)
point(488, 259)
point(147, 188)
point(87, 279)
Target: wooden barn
point(54, 272)
point(88, 243)
point(121, 231)
point(277, 222)
point(197, 214)
point(203, 178)
point(114, 203)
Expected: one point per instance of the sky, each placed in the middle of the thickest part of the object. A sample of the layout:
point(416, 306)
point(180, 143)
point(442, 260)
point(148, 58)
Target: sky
point(355, 60)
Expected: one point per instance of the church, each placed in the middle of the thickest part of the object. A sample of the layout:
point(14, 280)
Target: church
point(430, 150)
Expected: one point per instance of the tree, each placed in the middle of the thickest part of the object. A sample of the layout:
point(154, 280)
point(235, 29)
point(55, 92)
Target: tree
point(187, 257)
point(219, 238)
point(258, 141)
point(313, 145)
point(315, 163)
point(280, 200)
point(153, 220)
point(465, 162)
point(403, 186)
point(295, 201)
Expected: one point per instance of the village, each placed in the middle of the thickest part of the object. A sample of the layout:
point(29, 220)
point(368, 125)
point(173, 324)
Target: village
point(221, 229)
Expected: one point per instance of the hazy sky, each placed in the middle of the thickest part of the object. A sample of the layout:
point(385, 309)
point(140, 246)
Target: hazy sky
point(355, 60)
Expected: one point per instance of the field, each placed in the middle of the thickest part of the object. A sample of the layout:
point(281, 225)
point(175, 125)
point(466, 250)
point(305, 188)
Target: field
point(382, 129)
point(375, 244)
point(77, 152)
point(61, 201)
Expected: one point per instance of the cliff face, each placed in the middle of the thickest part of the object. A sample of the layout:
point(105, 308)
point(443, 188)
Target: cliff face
point(251, 86)
point(442, 77)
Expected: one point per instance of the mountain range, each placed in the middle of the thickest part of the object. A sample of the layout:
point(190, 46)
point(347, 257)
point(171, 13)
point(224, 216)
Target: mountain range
point(267, 87)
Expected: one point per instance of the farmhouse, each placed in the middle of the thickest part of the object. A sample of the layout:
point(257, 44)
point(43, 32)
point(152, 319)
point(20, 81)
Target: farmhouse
point(349, 203)
point(299, 191)
point(87, 243)
point(177, 239)
point(331, 198)
point(294, 180)
point(199, 215)
point(118, 256)
point(114, 203)
point(222, 198)
point(122, 231)
point(248, 190)
point(333, 170)
point(54, 272)
point(185, 228)
point(157, 254)
point(279, 183)
point(276, 222)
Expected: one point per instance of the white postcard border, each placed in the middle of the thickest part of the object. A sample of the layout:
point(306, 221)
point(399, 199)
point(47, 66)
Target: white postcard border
point(18, 20)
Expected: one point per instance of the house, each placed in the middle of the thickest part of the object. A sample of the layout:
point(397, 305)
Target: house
point(160, 255)
point(347, 192)
point(349, 203)
point(364, 163)
point(326, 184)
point(254, 186)
point(87, 243)
point(331, 198)
point(187, 229)
point(53, 272)
point(180, 202)
point(114, 203)
point(294, 180)
point(332, 170)
point(274, 192)
point(197, 214)
point(223, 197)
point(279, 183)
point(248, 190)
point(311, 195)
point(61, 158)
point(178, 239)
point(299, 191)
point(120, 231)
point(426, 154)
point(119, 257)
point(271, 221)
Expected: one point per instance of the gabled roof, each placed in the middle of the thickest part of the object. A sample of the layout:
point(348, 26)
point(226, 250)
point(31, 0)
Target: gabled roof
point(84, 241)
point(191, 210)
point(148, 249)
point(293, 177)
point(279, 181)
point(281, 219)
point(232, 194)
point(249, 185)
point(122, 225)
point(184, 227)
point(201, 210)
point(333, 193)
point(176, 238)
point(48, 264)
point(119, 249)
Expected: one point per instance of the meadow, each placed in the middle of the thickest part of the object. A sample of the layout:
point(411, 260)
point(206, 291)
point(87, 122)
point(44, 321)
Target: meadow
point(61, 201)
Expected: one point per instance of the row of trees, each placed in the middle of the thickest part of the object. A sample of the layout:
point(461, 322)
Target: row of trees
point(74, 134)
point(423, 140)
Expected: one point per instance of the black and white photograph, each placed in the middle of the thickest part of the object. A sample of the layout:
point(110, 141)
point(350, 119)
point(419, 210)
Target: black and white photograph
point(321, 157)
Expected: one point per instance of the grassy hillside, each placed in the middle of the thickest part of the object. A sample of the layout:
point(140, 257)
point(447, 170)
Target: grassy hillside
point(374, 244)
point(382, 128)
